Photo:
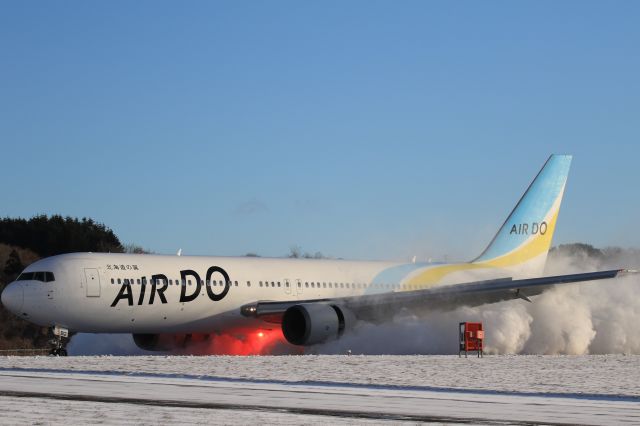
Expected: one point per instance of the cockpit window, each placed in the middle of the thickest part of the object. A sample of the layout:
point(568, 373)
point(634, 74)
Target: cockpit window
point(26, 276)
point(45, 277)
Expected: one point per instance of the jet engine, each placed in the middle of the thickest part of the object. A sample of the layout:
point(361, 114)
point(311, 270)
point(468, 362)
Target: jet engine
point(167, 342)
point(311, 323)
point(150, 342)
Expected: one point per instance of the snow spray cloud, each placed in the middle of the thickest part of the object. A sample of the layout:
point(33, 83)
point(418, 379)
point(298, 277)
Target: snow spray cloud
point(591, 318)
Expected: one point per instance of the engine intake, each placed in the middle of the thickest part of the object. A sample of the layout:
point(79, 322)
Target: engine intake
point(167, 342)
point(148, 342)
point(311, 323)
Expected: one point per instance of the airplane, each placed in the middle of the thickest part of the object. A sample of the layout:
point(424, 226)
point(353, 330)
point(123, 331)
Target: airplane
point(164, 300)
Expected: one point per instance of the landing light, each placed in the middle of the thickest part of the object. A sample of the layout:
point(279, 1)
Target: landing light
point(260, 334)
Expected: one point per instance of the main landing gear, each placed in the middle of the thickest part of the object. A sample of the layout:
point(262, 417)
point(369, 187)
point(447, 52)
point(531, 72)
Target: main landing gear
point(58, 352)
point(59, 343)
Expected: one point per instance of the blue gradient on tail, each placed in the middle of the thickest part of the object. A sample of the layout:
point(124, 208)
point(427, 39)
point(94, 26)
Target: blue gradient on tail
point(534, 206)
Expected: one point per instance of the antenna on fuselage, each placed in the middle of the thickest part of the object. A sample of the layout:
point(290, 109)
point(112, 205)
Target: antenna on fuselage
point(179, 253)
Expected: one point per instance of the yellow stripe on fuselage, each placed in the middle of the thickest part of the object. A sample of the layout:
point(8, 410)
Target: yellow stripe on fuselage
point(435, 274)
point(528, 251)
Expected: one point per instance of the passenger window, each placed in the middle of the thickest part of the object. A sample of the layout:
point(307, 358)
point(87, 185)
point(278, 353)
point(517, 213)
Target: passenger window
point(113, 281)
point(248, 283)
point(119, 282)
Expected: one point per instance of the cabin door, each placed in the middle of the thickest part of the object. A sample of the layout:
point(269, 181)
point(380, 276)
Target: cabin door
point(92, 280)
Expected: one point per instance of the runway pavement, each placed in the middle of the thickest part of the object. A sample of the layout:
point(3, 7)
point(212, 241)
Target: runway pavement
point(354, 401)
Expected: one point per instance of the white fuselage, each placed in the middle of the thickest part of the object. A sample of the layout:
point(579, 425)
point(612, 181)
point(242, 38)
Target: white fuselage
point(130, 293)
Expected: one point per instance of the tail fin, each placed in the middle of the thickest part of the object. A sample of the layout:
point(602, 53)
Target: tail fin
point(523, 241)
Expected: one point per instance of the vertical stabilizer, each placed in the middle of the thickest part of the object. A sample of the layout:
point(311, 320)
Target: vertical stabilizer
point(523, 241)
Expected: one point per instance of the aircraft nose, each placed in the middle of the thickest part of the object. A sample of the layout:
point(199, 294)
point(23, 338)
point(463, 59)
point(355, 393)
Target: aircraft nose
point(13, 297)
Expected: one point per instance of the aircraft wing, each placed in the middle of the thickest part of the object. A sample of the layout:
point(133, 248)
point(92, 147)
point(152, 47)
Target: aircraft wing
point(379, 306)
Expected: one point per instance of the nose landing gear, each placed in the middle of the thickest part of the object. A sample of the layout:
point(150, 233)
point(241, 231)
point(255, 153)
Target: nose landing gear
point(59, 342)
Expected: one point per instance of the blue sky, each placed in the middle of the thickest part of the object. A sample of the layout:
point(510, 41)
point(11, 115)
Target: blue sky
point(358, 129)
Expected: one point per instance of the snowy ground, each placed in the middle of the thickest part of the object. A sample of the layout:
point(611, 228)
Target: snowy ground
point(321, 389)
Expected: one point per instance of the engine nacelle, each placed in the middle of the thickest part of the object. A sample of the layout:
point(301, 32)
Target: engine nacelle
point(166, 342)
point(148, 342)
point(311, 323)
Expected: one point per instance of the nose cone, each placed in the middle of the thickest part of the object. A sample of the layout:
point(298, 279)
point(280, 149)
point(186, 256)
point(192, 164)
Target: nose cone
point(13, 297)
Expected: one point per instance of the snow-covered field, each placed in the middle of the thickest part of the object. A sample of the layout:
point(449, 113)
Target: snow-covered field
point(320, 389)
point(615, 375)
